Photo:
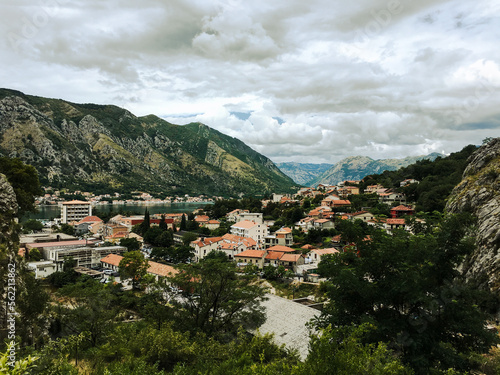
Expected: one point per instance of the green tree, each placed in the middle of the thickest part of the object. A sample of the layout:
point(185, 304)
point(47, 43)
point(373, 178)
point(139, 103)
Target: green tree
point(163, 223)
point(216, 300)
point(342, 351)
point(133, 265)
point(67, 229)
point(188, 237)
point(130, 243)
point(35, 255)
point(409, 288)
point(146, 224)
point(32, 226)
point(20, 367)
point(32, 304)
point(91, 309)
point(183, 222)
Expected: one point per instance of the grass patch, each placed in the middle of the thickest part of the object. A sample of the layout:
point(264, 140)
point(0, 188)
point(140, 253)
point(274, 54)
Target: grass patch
point(287, 289)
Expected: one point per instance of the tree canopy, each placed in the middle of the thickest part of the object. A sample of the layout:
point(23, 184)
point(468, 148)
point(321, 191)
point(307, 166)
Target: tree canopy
point(133, 265)
point(216, 300)
point(409, 287)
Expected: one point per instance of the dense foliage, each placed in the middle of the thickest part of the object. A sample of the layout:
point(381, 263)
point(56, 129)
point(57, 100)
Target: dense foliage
point(436, 179)
point(409, 288)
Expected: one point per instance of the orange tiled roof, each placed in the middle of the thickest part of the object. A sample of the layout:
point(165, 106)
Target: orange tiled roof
point(396, 221)
point(359, 213)
point(245, 224)
point(90, 219)
point(290, 257)
point(251, 254)
point(281, 248)
point(161, 269)
point(233, 238)
point(113, 259)
point(401, 208)
point(274, 255)
point(322, 252)
point(228, 246)
point(207, 241)
point(201, 218)
point(341, 202)
point(307, 247)
point(284, 230)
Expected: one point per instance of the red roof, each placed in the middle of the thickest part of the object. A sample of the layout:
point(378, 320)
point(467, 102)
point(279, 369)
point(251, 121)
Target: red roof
point(401, 208)
point(90, 219)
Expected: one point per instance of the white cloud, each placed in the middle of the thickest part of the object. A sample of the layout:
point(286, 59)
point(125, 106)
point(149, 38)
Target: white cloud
point(380, 78)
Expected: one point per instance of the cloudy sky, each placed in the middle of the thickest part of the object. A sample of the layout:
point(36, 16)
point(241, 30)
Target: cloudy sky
point(305, 81)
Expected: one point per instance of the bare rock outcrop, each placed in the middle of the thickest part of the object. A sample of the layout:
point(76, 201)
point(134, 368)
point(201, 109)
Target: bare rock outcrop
point(479, 194)
point(8, 210)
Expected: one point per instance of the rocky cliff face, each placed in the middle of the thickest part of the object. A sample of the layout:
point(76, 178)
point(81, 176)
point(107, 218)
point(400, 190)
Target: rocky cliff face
point(88, 145)
point(479, 193)
point(8, 210)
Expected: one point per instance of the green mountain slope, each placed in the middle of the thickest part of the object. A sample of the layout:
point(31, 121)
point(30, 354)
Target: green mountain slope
point(91, 146)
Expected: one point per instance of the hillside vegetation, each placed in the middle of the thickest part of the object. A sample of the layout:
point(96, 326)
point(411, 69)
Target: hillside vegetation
point(436, 179)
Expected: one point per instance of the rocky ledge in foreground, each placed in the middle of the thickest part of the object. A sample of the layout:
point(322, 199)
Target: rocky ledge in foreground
point(479, 193)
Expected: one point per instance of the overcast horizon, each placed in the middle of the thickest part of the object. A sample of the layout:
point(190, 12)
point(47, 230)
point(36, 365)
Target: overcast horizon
point(309, 82)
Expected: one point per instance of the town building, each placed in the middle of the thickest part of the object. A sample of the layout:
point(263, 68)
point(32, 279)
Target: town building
point(75, 211)
point(250, 229)
point(282, 236)
point(401, 210)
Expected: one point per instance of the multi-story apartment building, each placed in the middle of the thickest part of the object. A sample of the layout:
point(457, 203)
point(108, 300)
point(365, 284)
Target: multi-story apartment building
point(75, 211)
point(250, 229)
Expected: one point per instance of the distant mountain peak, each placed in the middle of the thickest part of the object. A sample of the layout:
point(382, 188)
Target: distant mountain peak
point(358, 167)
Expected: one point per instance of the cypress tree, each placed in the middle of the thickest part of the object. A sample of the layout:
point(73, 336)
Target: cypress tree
point(183, 222)
point(146, 224)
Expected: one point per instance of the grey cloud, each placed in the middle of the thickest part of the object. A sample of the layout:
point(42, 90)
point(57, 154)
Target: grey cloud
point(316, 80)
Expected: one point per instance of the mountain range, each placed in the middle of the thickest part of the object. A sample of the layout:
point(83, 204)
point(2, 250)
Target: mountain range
point(351, 168)
point(303, 173)
point(104, 147)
